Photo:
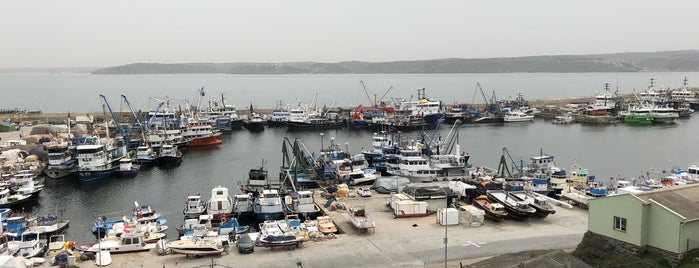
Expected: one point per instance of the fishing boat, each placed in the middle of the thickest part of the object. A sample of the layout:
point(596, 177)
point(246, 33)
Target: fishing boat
point(542, 206)
point(196, 133)
point(196, 246)
point(301, 204)
point(144, 213)
point(220, 204)
point(29, 243)
point(494, 211)
point(8, 200)
point(515, 209)
point(255, 122)
point(95, 162)
point(60, 160)
point(47, 225)
point(169, 155)
point(127, 168)
point(145, 155)
point(242, 205)
point(258, 180)
point(517, 116)
point(648, 114)
point(269, 206)
point(361, 176)
point(57, 243)
point(26, 182)
point(125, 243)
point(359, 220)
point(194, 207)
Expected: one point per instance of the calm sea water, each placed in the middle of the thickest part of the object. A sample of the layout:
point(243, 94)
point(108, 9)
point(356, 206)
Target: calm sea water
point(80, 92)
point(607, 151)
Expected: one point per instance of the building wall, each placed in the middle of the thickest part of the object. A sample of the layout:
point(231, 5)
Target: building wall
point(663, 228)
point(689, 236)
point(601, 217)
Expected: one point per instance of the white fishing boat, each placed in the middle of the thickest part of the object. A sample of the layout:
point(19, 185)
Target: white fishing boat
point(242, 205)
point(127, 168)
point(145, 155)
point(30, 245)
point(301, 204)
point(196, 246)
point(126, 243)
point(518, 116)
point(25, 182)
point(359, 219)
point(220, 203)
point(361, 176)
point(268, 205)
point(194, 207)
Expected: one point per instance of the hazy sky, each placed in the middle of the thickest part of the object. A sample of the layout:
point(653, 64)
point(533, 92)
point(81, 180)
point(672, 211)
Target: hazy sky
point(106, 33)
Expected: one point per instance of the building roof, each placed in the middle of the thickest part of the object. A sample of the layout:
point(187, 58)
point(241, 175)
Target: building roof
point(683, 200)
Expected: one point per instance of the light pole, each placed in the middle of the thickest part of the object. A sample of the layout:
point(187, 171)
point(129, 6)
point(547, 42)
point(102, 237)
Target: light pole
point(321, 141)
point(446, 224)
point(99, 241)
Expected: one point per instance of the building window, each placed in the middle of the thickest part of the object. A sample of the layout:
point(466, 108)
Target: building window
point(619, 224)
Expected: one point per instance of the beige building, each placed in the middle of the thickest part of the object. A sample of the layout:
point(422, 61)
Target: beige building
point(664, 221)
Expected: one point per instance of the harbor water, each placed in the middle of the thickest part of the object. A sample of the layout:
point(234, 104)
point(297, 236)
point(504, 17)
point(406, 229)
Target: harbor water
point(607, 151)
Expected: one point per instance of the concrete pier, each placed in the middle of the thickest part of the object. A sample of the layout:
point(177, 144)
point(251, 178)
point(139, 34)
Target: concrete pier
point(396, 242)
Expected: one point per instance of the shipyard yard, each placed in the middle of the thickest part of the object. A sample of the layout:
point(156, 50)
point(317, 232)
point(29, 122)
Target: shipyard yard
point(396, 242)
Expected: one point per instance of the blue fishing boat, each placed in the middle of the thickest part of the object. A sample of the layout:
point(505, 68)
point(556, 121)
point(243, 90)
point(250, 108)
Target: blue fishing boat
point(95, 162)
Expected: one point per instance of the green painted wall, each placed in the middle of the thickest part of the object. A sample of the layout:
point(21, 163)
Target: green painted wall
point(689, 231)
point(663, 228)
point(602, 212)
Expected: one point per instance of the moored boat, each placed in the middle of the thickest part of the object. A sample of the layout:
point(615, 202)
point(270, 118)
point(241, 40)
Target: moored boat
point(169, 155)
point(95, 162)
point(268, 205)
point(220, 204)
point(194, 207)
point(60, 160)
point(127, 168)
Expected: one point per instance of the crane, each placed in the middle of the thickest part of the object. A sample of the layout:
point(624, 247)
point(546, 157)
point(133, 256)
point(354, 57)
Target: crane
point(138, 122)
point(124, 133)
point(374, 102)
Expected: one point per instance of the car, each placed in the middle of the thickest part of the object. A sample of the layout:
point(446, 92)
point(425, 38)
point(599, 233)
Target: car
point(364, 191)
point(245, 244)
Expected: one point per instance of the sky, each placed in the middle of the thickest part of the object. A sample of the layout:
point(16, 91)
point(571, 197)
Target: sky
point(70, 33)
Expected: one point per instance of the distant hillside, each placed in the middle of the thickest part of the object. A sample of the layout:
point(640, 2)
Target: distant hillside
point(49, 70)
point(687, 60)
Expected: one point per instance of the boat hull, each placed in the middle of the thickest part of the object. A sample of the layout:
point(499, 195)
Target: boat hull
point(92, 175)
point(58, 172)
point(270, 216)
point(169, 161)
point(212, 140)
